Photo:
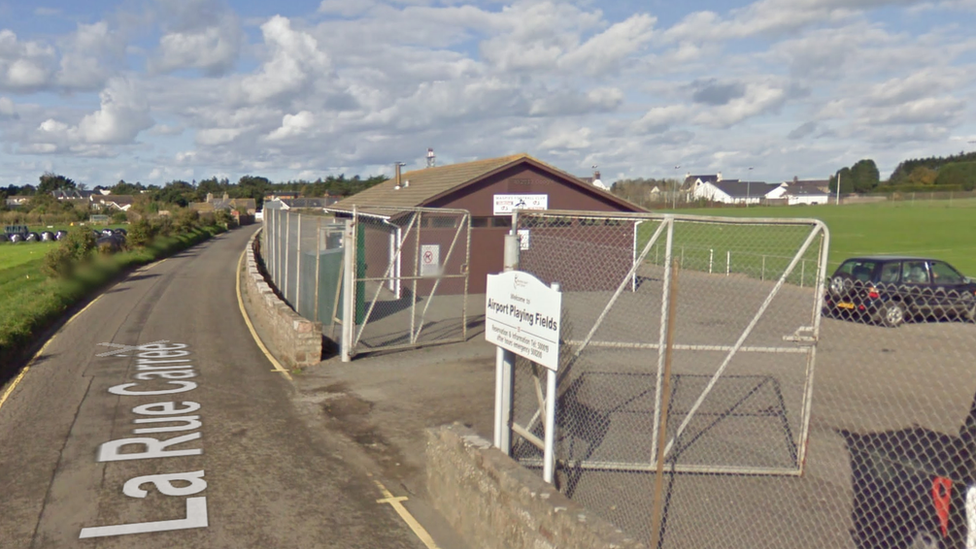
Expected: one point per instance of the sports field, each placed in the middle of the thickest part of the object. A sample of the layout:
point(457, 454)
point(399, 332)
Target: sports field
point(937, 228)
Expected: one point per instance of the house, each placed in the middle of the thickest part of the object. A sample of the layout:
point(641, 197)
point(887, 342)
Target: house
point(301, 203)
point(490, 189)
point(17, 201)
point(121, 202)
point(275, 195)
point(797, 191)
point(731, 191)
point(226, 203)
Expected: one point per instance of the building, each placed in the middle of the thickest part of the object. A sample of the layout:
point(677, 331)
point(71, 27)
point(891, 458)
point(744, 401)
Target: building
point(490, 189)
point(300, 203)
point(731, 191)
point(248, 205)
point(799, 192)
point(102, 202)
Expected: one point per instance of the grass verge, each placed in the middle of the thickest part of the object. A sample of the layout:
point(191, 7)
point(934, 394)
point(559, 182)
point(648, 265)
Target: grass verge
point(31, 302)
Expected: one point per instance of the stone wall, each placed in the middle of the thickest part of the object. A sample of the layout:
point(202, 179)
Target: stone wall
point(495, 503)
point(295, 341)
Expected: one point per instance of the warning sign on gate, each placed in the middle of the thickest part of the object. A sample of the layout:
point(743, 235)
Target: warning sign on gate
point(430, 260)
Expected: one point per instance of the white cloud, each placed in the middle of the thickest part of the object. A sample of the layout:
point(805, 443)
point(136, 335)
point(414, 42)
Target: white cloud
point(757, 98)
point(24, 66)
point(294, 62)
point(123, 114)
point(605, 51)
point(660, 118)
point(294, 125)
point(566, 139)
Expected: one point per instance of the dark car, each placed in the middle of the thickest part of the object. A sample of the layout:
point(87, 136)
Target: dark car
point(892, 289)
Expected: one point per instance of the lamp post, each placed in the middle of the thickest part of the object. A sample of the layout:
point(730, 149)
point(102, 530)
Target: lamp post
point(677, 187)
point(838, 189)
point(748, 187)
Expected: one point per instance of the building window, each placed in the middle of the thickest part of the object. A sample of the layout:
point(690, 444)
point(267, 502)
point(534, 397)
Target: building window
point(502, 222)
point(480, 221)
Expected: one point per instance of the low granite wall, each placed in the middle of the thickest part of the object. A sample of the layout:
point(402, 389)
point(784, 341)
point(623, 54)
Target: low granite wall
point(295, 341)
point(495, 503)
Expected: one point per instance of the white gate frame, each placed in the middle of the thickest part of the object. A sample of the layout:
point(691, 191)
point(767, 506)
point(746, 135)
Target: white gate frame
point(393, 278)
point(806, 336)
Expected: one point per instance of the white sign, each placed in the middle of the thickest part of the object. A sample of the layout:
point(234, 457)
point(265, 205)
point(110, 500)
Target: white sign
point(523, 315)
point(523, 238)
point(430, 260)
point(508, 203)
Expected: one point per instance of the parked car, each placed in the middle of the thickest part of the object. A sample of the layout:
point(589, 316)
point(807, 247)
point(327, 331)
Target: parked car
point(892, 289)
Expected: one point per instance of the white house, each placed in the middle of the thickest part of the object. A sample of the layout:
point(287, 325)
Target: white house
point(730, 191)
point(802, 192)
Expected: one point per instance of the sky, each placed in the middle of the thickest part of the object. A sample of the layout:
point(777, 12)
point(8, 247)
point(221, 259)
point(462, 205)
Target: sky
point(153, 91)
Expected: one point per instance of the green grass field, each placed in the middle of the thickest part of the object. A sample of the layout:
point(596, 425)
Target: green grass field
point(929, 228)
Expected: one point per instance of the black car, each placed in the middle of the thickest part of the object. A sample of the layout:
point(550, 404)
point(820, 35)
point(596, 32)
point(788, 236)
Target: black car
point(893, 289)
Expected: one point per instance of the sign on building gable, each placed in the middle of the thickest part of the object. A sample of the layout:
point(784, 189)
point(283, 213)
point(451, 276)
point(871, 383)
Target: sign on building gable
point(508, 203)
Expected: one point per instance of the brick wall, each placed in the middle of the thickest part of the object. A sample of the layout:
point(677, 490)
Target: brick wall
point(295, 341)
point(495, 503)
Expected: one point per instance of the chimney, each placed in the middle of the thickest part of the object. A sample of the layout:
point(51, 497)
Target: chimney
point(209, 197)
point(718, 177)
point(397, 177)
point(431, 159)
point(796, 179)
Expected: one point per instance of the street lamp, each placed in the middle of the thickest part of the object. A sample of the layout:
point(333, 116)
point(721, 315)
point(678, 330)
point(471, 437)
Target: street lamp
point(748, 187)
point(674, 193)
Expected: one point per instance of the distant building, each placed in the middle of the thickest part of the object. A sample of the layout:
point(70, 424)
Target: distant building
point(249, 205)
point(300, 203)
point(101, 202)
point(797, 191)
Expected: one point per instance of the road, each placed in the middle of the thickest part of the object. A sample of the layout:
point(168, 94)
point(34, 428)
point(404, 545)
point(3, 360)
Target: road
point(191, 440)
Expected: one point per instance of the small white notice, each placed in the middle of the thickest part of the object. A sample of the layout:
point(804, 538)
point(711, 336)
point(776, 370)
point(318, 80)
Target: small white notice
point(508, 203)
point(523, 315)
point(430, 260)
point(523, 238)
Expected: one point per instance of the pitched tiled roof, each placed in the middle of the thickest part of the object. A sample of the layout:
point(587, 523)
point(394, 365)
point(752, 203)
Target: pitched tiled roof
point(428, 183)
point(744, 189)
point(808, 187)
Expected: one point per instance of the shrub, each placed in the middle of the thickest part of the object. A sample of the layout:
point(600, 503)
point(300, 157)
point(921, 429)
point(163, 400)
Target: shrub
point(74, 249)
point(186, 220)
point(120, 217)
point(163, 225)
point(140, 233)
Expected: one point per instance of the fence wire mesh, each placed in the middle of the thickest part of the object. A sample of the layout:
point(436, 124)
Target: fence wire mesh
point(877, 454)
point(303, 254)
point(411, 269)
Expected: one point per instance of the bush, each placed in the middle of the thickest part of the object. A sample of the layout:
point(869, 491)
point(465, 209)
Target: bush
point(163, 225)
point(186, 220)
point(962, 174)
point(140, 234)
point(120, 217)
point(74, 249)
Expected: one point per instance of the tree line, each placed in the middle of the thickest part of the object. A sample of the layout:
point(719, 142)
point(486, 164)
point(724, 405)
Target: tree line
point(181, 193)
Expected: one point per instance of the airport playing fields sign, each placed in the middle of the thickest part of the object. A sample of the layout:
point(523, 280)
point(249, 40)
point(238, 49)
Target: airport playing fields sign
point(523, 315)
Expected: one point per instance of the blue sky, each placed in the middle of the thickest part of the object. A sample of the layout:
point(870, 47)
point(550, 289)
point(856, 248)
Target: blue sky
point(157, 90)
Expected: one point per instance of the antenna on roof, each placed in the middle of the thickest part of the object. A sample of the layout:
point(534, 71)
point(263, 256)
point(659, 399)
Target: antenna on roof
point(430, 158)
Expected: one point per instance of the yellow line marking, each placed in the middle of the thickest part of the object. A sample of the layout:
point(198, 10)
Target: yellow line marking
point(250, 327)
point(405, 515)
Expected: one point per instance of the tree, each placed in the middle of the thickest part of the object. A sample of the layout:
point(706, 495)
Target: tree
point(846, 181)
point(922, 176)
point(866, 176)
point(50, 182)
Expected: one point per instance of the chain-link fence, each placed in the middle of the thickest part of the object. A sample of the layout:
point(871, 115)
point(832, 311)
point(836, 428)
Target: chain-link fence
point(411, 277)
point(303, 255)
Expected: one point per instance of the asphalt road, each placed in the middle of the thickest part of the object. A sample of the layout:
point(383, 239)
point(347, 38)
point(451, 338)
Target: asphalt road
point(245, 468)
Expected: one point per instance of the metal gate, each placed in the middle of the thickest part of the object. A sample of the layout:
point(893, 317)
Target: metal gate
point(406, 278)
point(744, 339)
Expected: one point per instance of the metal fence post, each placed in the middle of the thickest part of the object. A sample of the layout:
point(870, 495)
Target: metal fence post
point(549, 453)
point(348, 288)
point(287, 252)
point(318, 266)
point(298, 270)
point(505, 365)
point(762, 274)
point(728, 262)
point(711, 257)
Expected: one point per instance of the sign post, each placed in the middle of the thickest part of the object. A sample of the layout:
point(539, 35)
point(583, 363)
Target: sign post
point(524, 316)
